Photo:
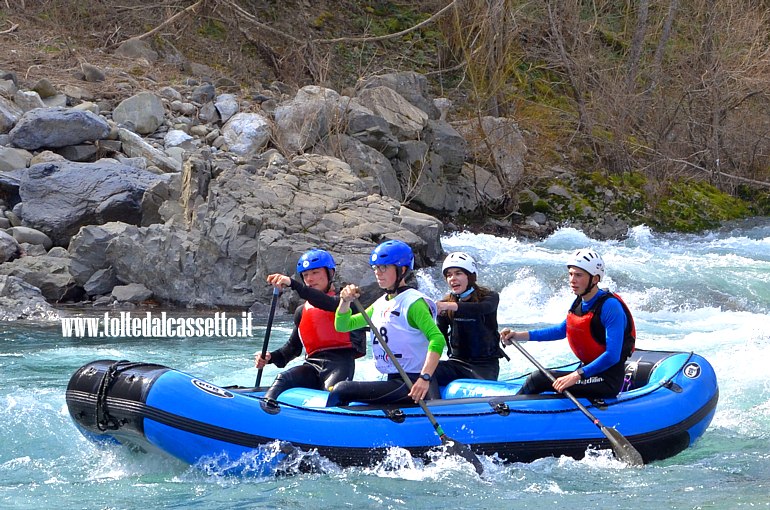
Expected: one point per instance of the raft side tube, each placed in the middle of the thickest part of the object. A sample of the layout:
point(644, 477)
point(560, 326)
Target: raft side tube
point(94, 386)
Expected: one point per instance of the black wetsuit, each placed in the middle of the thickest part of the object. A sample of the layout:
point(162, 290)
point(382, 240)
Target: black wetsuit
point(323, 368)
point(472, 341)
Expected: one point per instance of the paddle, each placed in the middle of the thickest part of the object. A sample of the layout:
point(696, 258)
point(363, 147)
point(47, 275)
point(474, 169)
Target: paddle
point(453, 446)
point(622, 448)
point(273, 303)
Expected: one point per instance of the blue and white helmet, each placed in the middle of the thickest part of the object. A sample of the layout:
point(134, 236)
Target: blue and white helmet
point(315, 258)
point(397, 253)
point(589, 261)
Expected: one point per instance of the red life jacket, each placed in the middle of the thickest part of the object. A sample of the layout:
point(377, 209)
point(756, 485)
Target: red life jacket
point(587, 336)
point(316, 330)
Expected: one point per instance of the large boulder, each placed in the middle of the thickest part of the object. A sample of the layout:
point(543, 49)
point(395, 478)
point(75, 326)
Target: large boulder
point(410, 85)
point(61, 197)
point(57, 127)
point(304, 120)
point(406, 121)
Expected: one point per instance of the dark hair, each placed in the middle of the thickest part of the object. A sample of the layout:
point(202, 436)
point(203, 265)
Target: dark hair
point(480, 292)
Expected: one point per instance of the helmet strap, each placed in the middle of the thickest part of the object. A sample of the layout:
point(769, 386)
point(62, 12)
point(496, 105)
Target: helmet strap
point(465, 294)
point(590, 286)
point(399, 279)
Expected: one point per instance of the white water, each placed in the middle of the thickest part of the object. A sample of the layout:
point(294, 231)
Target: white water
point(709, 293)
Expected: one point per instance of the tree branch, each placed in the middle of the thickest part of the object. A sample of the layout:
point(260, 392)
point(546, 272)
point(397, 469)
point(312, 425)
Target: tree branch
point(388, 36)
point(170, 20)
point(14, 26)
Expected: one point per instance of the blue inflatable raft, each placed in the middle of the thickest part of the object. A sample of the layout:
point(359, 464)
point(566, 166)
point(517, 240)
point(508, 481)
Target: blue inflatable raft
point(668, 405)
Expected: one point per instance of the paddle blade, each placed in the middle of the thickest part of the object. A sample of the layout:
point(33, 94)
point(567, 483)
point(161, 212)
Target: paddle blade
point(623, 449)
point(463, 450)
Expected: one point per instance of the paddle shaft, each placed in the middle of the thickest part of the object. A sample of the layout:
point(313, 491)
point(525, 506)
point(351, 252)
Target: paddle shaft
point(401, 371)
point(550, 376)
point(623, 449)
point(270, 317)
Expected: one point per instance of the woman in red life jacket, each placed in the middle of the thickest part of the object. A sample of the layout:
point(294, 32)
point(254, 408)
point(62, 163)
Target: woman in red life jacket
point(600, 331)
point(330, 355)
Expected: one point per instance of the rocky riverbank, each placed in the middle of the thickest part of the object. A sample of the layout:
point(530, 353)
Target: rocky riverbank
point(190, 194)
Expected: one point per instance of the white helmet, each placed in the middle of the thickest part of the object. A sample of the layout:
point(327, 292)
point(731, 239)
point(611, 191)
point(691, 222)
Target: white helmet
point(461, 260)
point(589, 261)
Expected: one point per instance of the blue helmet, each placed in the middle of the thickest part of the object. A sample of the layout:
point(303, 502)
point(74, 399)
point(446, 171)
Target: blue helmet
point(397, 253)
point(315, 258)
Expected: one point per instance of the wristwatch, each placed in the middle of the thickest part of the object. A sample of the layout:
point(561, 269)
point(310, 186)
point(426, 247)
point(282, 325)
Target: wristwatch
point(580, 372)
point(425, 377)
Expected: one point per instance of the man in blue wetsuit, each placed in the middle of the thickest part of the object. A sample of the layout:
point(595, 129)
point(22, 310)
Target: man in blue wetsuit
point(600, 331)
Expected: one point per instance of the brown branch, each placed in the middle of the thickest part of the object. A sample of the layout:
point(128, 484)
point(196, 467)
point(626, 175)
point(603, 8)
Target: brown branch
point(389, 36)
point(252, 19)
point(170, 20)
point(14, 26)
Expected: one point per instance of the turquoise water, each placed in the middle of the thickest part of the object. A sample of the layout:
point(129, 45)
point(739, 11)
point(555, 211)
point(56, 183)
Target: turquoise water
point(709, 293)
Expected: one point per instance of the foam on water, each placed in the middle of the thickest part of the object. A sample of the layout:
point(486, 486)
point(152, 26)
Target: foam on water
point(709, 293)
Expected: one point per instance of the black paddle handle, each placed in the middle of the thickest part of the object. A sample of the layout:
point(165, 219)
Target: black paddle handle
point(270, 317)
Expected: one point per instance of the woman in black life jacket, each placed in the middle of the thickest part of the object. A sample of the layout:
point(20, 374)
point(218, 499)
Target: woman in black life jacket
point(468, 319)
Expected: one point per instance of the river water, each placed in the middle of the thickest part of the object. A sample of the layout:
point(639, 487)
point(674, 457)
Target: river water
point(709, 293)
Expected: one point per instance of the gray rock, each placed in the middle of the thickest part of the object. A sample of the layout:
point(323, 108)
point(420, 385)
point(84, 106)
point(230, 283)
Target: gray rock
point(495, 143)
point(9, 247)
point(10, 114)
point(208, 114)
point(11, 159)
point(227, 106)
point(88, 249)
point(45, 88)
point(203, 93)
point(137, 49)
point(28, 100)
point(304, 120)
point(410, 85)
point(175, 138)
point(144, 112)
point(31, 236)
point(59, 198)
point(7, 89)
point(446, 142)
point(135, 147)
point(56, 101)
point(247, 133)
point(57, 127)
point(365, 161)
point(91, 73)
point(101, 282)
point(33, 250)
point(50, 274)
point(20, 300)
point(170, 93)
point(84, 153)
point(373, 131)
point(131, 293)
point(405, 120)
